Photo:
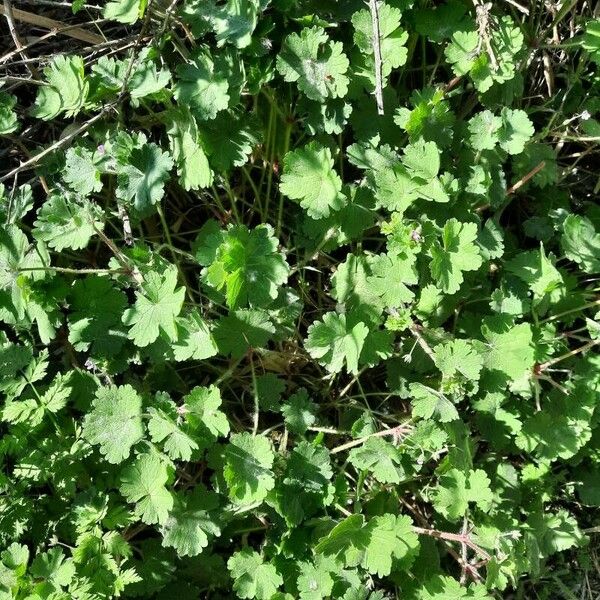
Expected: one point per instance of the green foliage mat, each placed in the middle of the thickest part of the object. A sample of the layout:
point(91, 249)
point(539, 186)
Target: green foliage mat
point(300, 300)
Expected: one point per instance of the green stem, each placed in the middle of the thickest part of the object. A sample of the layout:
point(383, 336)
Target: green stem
point(232, 200)
point(256, 415)
point(286, 146)
point(572, 310)
point(256, 193)
point(171, 247)
point(267, 156)
point(71, 271)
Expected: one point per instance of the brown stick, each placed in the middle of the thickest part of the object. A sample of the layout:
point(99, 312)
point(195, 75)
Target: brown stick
point(396, 432)
point(543, 366)
point(414, 329)
point(470, 569)
point(10, 17)
point(7, 10)
point(511, 190)
point(377, 53)
point(46, 23)
point(28, 164)
point(452, 84)
point(525, 178)
point(461, 538)
point(54, 32)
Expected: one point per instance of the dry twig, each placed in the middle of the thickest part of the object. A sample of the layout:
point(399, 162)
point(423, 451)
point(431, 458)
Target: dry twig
point(374, 8)
point(46, 23)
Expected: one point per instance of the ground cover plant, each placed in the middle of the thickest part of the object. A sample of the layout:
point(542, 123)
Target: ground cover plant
point(299, 299)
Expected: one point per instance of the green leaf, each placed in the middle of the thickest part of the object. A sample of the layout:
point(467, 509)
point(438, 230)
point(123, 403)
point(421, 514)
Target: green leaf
point(509, 347)
point(342, 538)
point(155, 566)
point(461, 51)
point(115, 422)
point(202, 87)
point(190, 522)
point(53, 567)
point(422, 159)
point(81, 171)
point(188, 153)
point(165, 427)
point(591, 40)
point(485, 130)
point(8, 118)
point(19, 367)
point(15, 206)
point(330, 117)
point(379, 457)
point(62, 222)
point(442, 587)
point(235, 22)
point(252, 577)
point(202, 412)
point(33, 412)
point(377, 347)
point(178, 382)
point(533, 156)
point(65, 89)
point(108, 76)
point(143, 482)
point(458, 356)
point(95, 317)
point(428, 403)
point(305, 487)
point(491, 240)
point(430, 119)
point(456, 490)
point(389, 537)
point(248, 266)
point(22, 265)
point(395, 189)
point(372, 545)
point(390, 276)
point(556, 532)
point(537, 271)
point(516, 130)
point(581, 243)
point(14, 358)
point(309, 177)
point(315, 581)
point(125, 11)
point(352, 287)
point(562, 428)
point(142, 178)
point(299, 412)
point(247, 469)
point(145, 78)
point(457, 253)
point(16, 556)
point(496, 60)
point(194, 338)
point(438, 23)
point(156, 307)
point(268, 389)
point(317, 64)
point(334, 341)
point(507, 41)
point(241, 133)
point(392, 40)
point(343, 226)
point(241, 330)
